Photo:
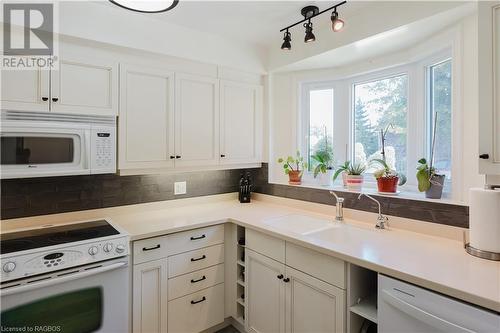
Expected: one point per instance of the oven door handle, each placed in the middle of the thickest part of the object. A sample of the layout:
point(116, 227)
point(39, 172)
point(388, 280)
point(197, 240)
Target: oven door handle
point(60, 279)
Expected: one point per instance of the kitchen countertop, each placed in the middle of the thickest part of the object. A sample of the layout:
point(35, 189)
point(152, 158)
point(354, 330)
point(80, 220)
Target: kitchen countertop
point(433, 262)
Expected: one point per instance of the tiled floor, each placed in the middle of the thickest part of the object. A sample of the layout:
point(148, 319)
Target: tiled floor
point(228, 329)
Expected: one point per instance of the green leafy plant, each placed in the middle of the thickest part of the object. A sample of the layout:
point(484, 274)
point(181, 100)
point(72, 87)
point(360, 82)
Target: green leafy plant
point(424, 175)
point(353, 169)
point(386, 171)
point(293, 163)
point(323, 161)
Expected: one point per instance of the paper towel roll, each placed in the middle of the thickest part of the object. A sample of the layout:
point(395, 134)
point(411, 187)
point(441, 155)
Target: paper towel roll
point(484, 219)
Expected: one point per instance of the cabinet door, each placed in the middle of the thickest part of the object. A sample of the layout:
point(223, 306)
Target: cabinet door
point(149, 298)
point(85, 85)
point(489, 86)
point(196, 120)
point(241, 122)
point(146, 121)
point(313, 305)
point(265, 294)
point(25, 90)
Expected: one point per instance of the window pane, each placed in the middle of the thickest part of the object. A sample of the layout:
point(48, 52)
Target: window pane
point(320, 122)
point(377, 105)
point(440, 103)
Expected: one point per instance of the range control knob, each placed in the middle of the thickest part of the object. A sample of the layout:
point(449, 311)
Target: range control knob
point(93, 250)
point(120, 248)
point(9, 267)
point(108, 247)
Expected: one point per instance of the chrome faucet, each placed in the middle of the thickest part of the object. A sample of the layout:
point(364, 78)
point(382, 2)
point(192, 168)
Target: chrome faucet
point(381, 219)
point(340, 207)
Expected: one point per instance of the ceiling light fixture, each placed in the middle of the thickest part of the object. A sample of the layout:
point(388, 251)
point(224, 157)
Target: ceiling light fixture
point(146, 6)
point(286, 41)
point(337, 24)
point(309, 12)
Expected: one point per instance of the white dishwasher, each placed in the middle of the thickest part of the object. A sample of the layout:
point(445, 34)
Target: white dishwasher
point(403, 307)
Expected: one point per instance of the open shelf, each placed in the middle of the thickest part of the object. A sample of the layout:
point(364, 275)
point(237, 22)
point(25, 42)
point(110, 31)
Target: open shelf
point(241, 301)
point(366, 308)
point(240, 282)
point(241, 321)
point(241, 263)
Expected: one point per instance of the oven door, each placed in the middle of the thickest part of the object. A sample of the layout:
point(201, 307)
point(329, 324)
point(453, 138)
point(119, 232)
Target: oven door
point(44, 149)
point(86, 299)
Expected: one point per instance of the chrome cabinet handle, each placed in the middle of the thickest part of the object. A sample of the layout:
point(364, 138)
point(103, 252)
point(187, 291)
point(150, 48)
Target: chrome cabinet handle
point(200, 258)
point(201, 300)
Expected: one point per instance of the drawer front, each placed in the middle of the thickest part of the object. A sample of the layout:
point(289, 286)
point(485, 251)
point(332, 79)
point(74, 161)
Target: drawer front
point(269, 246)
point(192, 282)
point(319, 265)
point(150, 249)
point(195, 260)
point(195, 239)
point(197, 312)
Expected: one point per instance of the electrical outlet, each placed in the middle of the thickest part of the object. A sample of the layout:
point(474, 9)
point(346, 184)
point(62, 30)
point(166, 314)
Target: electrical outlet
point(179, 188)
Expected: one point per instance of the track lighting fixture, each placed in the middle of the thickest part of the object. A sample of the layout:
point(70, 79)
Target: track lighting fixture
point(309, 37)
point(337, 24)
point(309, 12)
point(157, 6)
point(286, 41)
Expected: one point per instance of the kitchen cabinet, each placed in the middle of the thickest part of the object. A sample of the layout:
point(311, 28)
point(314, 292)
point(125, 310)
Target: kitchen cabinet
point(80, 85)
point(265, 293)
point(150, 296)
point(196, 120)
point(489, 86)
point(146, 122)
point(241, 122)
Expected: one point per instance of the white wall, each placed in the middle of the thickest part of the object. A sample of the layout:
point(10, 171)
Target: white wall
point(284, 113)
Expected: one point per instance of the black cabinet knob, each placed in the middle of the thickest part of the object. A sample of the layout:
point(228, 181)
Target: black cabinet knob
point(45, 99)
point(55, 99)
point(484, 156)
point(172, 157)
point(177, 156)
point(280, 276)
point(222, 155)
point(286, 280)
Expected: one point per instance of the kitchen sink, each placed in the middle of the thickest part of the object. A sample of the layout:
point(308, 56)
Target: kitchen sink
point(300, 224)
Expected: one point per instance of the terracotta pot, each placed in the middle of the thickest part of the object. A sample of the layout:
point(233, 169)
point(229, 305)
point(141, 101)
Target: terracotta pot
point(388, 184)
point(295, 177)
point(354, 182)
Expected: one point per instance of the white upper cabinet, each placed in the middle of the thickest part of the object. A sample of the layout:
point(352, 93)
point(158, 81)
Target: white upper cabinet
point(146, 121)
point(241, 122)
point(85, 85)
point(196, 120)
point(25, 90)
point(489, 86)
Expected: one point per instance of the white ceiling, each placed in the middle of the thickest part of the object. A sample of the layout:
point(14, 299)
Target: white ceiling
point(256, 22)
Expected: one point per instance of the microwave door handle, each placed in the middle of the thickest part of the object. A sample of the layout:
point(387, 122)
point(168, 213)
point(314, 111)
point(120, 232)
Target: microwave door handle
point(56, 280)
point(422, 315)
point(88, 150)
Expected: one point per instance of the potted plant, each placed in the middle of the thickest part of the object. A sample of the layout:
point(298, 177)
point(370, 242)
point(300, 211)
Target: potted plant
point(294, 168)
point(429, 181)
point(353, 174)
point(322, 165)
point(387, 179)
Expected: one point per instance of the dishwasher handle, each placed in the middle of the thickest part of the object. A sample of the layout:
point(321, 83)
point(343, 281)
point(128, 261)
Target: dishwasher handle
point(422, 315)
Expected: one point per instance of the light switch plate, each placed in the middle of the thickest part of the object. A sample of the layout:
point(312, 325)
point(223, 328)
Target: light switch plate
point(179, 188)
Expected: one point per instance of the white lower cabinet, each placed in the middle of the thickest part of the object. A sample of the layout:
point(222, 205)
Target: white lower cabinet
point(150, 296)
point(283, 299)
point(266, 294)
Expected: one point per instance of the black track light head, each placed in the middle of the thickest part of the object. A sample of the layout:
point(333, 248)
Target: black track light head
point(286, 41)
point(337, 24)
point(309, 37)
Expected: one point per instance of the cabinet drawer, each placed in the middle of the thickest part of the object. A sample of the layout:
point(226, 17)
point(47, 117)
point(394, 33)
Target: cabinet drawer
point(197, 312)
point(195, 239)
point(269, 246)
point(150, 249)
point(195, 260)
point(192, 282)
point(319, 265)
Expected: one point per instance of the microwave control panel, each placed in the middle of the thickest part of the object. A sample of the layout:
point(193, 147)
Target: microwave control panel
point(103, 157)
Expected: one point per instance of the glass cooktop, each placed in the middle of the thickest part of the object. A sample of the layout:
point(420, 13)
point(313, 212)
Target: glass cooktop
point(68, 233)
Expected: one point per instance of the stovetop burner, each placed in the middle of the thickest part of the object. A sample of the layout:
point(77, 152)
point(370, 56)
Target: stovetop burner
point(68, 233)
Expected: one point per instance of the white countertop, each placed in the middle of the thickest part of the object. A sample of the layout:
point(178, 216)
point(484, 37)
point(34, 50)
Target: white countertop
point(437, 263)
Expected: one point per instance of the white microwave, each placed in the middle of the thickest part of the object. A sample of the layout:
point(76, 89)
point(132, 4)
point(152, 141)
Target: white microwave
point(35, 144)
